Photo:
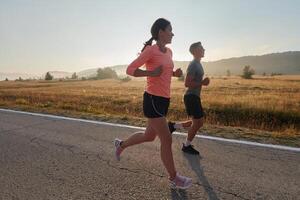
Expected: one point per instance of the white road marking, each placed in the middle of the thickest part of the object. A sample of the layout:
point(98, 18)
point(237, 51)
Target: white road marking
point(281, 147)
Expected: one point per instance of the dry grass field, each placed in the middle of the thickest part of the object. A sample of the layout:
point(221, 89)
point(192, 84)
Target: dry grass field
point(265, 109)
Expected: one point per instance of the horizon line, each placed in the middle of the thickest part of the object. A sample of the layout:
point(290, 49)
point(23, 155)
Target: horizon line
point(93, 67)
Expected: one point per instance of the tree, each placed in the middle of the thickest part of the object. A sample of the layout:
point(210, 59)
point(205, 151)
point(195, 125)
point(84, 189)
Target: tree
point(228, 72)
point(74, 76)
point(248, 72)
point(125, 79)
point(181, 78)
point(48, 76)
point(106, 73)
point(276, 74)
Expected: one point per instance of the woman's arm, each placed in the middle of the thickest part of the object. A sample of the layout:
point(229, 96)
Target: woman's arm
point(133, 68)
point(141, 73)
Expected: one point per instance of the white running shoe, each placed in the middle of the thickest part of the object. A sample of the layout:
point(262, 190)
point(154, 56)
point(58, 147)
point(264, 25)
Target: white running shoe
point(118, 148)
point(181, 182)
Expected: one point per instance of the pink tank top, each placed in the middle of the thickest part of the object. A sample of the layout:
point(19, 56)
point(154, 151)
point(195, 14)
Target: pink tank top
point(152, 58)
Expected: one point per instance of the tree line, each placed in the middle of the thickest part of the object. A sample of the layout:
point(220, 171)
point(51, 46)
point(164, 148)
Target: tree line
point(108, 73)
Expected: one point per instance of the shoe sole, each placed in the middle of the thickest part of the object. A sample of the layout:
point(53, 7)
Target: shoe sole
point(183, 188)
point(190, 153)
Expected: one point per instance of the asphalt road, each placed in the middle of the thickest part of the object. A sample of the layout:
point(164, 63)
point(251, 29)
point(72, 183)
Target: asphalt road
point(49, 158)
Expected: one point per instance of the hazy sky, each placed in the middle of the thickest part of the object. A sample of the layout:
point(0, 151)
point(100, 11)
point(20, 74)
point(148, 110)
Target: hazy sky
point(72, 35)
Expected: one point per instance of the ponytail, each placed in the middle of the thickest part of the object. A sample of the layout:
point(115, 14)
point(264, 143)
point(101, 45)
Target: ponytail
point(148, 43)
point(159, 24)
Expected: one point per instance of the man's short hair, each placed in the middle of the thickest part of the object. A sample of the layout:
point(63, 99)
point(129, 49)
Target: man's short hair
point(194, 46)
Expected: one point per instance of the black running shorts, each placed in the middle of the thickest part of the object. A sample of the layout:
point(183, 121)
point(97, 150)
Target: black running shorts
point(193, 106)
point(155, 106)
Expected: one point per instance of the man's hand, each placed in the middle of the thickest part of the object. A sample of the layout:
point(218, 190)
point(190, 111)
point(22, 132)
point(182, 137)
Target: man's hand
point(205, 81)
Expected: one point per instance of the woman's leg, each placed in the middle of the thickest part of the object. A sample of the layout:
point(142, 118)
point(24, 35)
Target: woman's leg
point(173, 126)
point(161, 128)
point(184, 124)
point(187, 124)
point(158, 126)
point(139, 137)
point(136, 138)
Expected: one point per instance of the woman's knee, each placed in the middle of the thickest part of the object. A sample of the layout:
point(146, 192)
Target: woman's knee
point(150, 138)
point(159, 125)
point(150, 134)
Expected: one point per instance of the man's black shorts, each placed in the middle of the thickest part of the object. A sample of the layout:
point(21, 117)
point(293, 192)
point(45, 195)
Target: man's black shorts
point(193, 106)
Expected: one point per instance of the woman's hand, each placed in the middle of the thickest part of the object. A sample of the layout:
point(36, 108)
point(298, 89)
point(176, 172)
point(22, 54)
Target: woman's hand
point(177, 73)
point(157, 71)
point(205, 81)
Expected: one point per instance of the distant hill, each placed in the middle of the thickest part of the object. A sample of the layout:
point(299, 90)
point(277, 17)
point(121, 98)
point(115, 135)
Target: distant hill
point(120, 69)
point(284, 63)
point(14, 76)
point(87, 73)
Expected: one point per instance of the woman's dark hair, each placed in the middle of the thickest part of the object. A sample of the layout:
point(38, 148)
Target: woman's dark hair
point(159, 24)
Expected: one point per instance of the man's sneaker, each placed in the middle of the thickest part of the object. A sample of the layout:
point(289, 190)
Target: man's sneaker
point(180, 182)
point(171, 127)
point(189, 149)
point(118, 148)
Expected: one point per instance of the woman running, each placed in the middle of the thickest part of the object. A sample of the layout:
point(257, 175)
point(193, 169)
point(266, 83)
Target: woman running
point(159, 70)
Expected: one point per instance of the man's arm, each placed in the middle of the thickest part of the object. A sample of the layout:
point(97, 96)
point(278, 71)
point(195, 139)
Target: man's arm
point(190, 83)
